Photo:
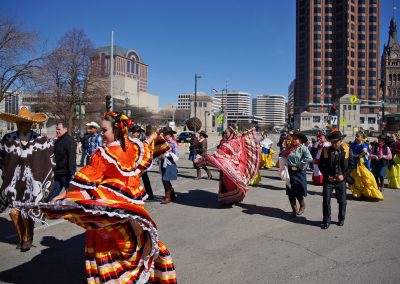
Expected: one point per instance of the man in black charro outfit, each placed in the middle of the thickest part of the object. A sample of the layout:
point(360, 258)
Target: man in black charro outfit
point(335, 165)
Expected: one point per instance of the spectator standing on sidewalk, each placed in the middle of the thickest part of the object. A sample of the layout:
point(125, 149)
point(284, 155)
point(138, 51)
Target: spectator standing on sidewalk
point(94, 140)
point(138, 132)
point(65, 156)
point(84, 147)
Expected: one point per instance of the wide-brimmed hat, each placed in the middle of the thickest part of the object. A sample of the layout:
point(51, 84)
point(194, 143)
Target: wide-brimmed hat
point(301, 136)
point(168, 130)
point(93, 124)
point(24, 115)
point(136, 128)
point(335, 136)
point(203, 133)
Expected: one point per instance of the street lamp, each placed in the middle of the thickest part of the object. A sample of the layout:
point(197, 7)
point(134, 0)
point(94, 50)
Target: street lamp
point(196, 76)
point(382, 86)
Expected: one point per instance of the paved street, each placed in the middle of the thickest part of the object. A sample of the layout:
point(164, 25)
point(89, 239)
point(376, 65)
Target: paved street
point(252, 242)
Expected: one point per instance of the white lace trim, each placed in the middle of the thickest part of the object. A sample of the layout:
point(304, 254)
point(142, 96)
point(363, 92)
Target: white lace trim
point(141, 148)
point(78, 184)
point(112, 161)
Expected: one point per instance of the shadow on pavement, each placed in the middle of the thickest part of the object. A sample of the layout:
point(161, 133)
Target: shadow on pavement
point(199, 198)
point(349, 196)
point(271, 177)
point(270, 186)
point(7, 229)
point(276, 213)
point(62, 262)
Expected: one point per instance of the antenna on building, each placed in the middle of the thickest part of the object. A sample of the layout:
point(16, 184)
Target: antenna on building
point(394, 8)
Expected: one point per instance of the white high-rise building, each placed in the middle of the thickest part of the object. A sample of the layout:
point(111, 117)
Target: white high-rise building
point(272, 109)
point(235, 103)
point(184, 101)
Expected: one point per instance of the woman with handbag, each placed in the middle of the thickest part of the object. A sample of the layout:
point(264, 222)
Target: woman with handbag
point(168, 167)
point(298, 156)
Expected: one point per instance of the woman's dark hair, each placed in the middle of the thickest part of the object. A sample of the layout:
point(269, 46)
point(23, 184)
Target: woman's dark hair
point(121, 123)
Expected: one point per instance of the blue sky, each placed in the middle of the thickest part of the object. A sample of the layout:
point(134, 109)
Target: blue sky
point(249, 43)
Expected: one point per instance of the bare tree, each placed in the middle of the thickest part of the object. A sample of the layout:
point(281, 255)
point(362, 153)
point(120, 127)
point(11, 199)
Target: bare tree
point(64, 76)
point(17, 57)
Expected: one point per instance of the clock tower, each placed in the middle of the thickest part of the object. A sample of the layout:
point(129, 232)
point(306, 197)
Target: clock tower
point(391, 70)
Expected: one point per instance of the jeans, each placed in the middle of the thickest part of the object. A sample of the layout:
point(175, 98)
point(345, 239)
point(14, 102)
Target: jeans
point(340, 191)
point(60, 182)
point(83, 157)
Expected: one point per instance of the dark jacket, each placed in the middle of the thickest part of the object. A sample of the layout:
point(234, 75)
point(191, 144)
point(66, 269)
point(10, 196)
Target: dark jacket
point(65, 155)
point(335, 162)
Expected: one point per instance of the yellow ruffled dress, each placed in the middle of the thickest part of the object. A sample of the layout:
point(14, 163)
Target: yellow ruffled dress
point(393, 173)
point(364, 182)
point(266, 160)
point(255, 180)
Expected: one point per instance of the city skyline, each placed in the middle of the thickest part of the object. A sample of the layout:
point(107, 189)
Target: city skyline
point(249, 44)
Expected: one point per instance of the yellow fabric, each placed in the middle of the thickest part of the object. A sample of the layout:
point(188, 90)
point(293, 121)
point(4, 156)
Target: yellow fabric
point(266, 160)
point(364, 182)
point(393, 174)
point(256, 180)
point(346, 149)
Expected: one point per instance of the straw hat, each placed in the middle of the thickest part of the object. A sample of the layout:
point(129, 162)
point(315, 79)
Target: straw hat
point(93, 124)
point(24, 115)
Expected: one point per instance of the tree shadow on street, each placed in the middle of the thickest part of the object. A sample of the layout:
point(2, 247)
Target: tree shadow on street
point(62, 262)
point(200, 198)
point(276, 213)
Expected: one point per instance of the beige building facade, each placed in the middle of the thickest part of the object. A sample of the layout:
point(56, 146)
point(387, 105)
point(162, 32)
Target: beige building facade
point(130, 78)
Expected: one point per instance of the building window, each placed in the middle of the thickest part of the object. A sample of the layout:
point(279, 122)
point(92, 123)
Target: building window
point(316, 118)
point(362, 119)
point(371, 120)
point(317, 36)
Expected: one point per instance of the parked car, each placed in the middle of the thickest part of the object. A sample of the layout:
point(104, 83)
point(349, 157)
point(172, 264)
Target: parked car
point(184, 137)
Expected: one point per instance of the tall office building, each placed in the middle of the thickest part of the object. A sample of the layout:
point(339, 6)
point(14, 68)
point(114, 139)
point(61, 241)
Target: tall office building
point(184, 101)
point(130, 76)
point(272, 109)
point(235, 103)
point(337, 52)
point(391, 70)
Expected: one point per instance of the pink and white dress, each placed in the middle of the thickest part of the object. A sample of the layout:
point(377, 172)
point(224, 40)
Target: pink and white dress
point(317, 177)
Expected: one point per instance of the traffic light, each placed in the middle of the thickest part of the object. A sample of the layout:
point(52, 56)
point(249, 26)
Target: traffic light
point(109, 103)
point(333, 110)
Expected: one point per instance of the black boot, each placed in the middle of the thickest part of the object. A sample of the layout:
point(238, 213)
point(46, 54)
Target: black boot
point(294, 208)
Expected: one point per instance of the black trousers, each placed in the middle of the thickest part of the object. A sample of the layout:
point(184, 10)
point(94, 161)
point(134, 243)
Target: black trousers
point(340, 191)
point(147, 185)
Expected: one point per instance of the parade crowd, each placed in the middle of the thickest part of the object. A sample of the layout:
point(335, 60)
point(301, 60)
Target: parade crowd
point(107, 195)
